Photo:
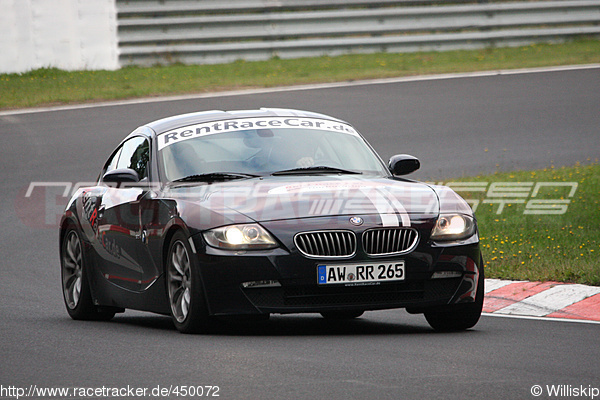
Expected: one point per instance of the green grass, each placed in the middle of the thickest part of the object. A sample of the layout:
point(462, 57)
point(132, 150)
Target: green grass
point(52, 86)
point(560, 247)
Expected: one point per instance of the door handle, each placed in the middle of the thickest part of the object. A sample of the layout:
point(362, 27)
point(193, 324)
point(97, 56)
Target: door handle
point(143, 236)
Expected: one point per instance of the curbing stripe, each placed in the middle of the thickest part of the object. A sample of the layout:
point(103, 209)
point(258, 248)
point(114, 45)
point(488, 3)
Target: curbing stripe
point(515, 292)
point(584, 309)
point(493, 284)
point(547, 299)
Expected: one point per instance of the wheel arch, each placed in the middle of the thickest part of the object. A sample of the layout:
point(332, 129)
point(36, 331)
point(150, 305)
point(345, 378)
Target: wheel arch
point(64, 226)
point(166, 244)
point(175, 226)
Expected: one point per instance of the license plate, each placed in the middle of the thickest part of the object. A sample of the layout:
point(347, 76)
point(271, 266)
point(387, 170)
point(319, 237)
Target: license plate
point(360, 273)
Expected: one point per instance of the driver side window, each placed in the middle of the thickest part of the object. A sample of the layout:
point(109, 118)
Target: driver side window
point(112, 161)
point(133, 154)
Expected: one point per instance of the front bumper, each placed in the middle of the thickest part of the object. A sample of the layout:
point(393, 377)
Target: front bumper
point(305, 298)
point(291, 281)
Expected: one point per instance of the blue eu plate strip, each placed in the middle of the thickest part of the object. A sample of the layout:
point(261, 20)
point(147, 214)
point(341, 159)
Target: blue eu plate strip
point(322, 274)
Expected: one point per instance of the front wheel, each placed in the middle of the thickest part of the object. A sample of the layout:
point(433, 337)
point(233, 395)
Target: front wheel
point(75, 285)
point(460, 316)
point(184, 288)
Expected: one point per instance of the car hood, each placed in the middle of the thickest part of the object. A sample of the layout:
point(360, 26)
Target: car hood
point(294, 197)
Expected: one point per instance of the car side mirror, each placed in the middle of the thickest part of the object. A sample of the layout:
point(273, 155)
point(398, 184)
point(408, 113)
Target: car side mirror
point(121, 175)
point(402, 164)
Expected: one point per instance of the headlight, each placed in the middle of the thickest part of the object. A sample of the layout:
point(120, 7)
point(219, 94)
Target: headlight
point(453, 227)
point(240, 237)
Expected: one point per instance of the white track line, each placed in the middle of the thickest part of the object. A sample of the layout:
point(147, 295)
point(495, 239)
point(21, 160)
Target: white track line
point(581, 321)
point(302, 87)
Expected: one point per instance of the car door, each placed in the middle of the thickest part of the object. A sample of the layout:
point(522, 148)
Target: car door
point(155, 213)
point(120, 244)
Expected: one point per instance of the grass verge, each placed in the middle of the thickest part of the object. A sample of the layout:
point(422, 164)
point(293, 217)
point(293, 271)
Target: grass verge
point(52, 86)
point(563, 244)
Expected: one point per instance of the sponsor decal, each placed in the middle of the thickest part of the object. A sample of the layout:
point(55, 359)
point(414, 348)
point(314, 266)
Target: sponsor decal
point(212, 128)
point(111, 246)
point(90, 209)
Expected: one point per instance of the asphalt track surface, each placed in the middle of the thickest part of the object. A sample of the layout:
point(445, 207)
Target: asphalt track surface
point(523, 120)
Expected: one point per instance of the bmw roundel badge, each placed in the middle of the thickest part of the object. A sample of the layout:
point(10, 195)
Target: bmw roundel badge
point(357, 221)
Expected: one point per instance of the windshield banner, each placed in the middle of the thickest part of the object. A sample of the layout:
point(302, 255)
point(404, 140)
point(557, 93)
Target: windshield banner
point(211, 128)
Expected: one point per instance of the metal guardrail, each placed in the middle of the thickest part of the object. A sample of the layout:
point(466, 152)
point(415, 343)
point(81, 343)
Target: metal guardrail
point(209, 32)
point(162, 7)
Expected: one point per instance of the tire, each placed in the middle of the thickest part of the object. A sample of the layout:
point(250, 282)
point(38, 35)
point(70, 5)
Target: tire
point(459, 317)
point(341, 315)
point(75, 284)
point(184, 288)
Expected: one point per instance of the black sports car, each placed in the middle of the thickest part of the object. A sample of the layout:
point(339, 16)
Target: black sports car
point(266, 211)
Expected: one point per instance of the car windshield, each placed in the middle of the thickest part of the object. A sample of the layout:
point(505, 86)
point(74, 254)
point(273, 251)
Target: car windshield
point(272, 146)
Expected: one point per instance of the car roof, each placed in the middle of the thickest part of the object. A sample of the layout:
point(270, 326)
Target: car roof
point(178, 121)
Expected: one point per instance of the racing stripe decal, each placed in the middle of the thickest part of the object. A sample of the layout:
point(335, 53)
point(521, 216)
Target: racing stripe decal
point(389, 220)
point(397, 206)
point(382, 205)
